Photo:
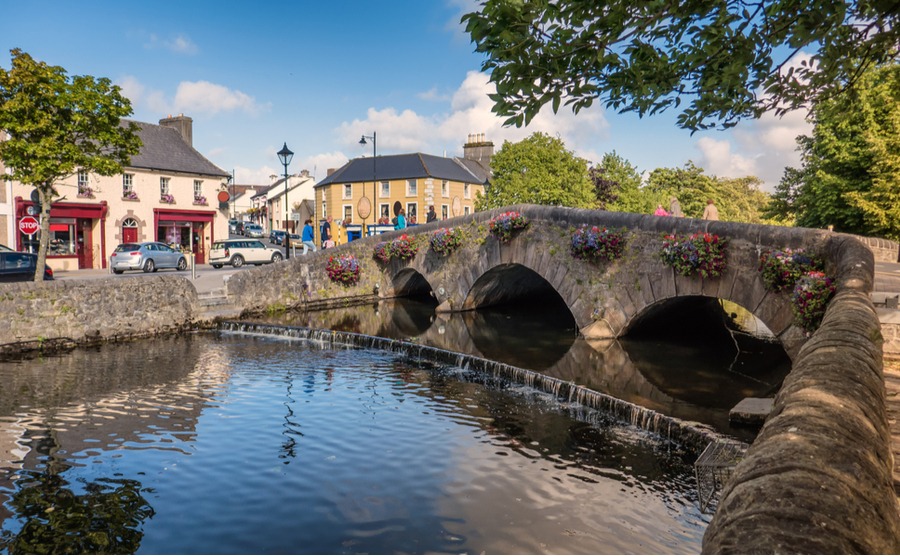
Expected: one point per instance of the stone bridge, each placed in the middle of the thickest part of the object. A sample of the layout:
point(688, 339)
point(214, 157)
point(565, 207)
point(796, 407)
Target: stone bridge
point(606, 299)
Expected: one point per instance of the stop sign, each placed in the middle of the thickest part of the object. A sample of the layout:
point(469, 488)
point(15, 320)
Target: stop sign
point(29, 225)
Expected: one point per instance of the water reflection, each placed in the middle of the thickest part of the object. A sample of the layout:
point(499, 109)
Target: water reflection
point(690, 381)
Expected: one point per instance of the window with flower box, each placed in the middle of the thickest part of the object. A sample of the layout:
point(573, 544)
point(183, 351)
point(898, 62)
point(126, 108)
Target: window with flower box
point(163, 187)
point(127, 186)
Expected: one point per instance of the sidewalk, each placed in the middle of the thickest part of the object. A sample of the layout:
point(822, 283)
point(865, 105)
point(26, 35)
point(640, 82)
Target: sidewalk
point(208, 279)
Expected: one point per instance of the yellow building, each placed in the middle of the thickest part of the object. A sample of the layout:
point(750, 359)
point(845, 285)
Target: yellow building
point(412, 182)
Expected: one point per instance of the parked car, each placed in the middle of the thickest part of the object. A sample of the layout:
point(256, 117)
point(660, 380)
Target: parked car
point(16, 266)
point(276, 237)
point(148, 256)
point(253, 230)
point(5, 248)
point(233, 226)
point(236, 252)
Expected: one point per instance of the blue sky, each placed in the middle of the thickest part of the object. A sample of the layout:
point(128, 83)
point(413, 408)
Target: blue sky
point(318, 75)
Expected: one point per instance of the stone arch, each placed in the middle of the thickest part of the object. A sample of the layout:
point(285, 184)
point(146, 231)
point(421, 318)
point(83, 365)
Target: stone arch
point(140, 223)
point(410, 282)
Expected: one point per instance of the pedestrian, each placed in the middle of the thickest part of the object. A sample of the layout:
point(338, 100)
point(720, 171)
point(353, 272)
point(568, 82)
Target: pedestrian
point(401, 220)
point(710, 212)
point(675, 207)
point(308, 238)
point(326, 234)
point(431, 216)
point(660, 211)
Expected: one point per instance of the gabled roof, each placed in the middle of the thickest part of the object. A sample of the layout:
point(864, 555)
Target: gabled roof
point(165, 150)
point(403, 166)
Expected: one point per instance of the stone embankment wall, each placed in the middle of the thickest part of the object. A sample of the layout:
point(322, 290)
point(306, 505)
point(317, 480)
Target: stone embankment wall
point(817, 480)
point(91, 310)
point(884, 250)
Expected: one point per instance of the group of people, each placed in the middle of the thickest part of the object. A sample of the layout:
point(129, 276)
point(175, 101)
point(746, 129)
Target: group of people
point(710, 212)
point(400, 223)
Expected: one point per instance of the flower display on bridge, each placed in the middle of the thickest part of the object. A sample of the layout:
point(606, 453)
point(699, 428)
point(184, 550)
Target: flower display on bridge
point(596, 243)
point(810, 298)
point(702, 254)
point(504, 225)
point(446, 240)
point(403, 248)
point(782, 268)
point(343, 269)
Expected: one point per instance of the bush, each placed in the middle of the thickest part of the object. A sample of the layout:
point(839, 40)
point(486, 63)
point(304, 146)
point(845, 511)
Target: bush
point(446, 240)
point(343, 269)
point(597, 243)
point(504, 225)
point(782, 268)
point(702, 254)
point(812, 293)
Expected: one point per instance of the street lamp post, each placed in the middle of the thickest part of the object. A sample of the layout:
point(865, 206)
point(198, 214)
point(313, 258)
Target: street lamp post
point(362, 141)
point(285, 155)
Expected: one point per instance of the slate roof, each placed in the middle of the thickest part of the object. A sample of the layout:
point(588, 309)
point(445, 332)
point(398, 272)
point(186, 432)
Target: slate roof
point(404, 166)
point(165, 150)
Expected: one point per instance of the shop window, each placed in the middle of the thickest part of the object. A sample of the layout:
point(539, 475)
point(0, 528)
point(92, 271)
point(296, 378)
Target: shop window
point(466, 211)
point(411, 216)
point(445, 212)
point(62, 238)
point(385, 212)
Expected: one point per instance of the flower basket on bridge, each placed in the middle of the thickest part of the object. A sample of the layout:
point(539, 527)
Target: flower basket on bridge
point(446, 240)
point(595, 243)
point(810, 298)
point(702, 254)
point(403, 248)
point(343, 269)
point(782, 268)
point(504, 225)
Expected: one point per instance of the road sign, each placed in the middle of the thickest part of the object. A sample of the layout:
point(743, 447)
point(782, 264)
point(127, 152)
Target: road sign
point(29, 225)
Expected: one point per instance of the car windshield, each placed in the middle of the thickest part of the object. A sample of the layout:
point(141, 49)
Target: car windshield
point(127, 247)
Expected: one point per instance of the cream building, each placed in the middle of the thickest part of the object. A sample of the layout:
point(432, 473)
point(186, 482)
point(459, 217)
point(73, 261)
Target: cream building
point(169, 193)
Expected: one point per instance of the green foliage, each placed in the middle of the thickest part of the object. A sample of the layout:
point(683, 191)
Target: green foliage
point(538, 170)
point(629, 195)
point(728, 60)
point(59, 125)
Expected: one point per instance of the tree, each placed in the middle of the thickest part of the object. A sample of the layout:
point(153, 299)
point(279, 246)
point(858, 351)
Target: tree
point(850, 163)
point(604, 187)
point(731, 59)
point(630, 197)
point(538, 170)
point(58, 125)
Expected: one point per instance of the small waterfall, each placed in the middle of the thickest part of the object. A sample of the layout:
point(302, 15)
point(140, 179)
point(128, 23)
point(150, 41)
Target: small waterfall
point(588, 405)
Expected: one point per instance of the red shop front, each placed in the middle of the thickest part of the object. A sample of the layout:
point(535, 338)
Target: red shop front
point(189, 230)
point(72, 231)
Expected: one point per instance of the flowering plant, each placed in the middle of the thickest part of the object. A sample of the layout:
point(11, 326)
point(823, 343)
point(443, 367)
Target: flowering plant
point(812, 293)
point(702, 254)
point(402, 248)
point(200, 200)
point(595, 243)
point(446, 240)
point(85, 191)
point(131, 196)
point(781, 269)
point(343, 269)
point(503, 225)
point(167, 198)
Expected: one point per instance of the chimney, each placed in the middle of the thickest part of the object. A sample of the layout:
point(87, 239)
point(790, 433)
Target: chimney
point(479, 149)
point(182, 124)
point(331, 171)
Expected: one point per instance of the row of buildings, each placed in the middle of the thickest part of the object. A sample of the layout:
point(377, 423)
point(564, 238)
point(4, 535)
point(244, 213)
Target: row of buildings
point(173, 194)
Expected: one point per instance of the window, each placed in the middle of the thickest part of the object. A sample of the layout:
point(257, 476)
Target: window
point(324, 210)
point(385, 212)
point(411, 216)
point(163, 187)
point(348, 191)
point(127, 185)
point(348, 214)
point(466, 210)
point(412, 189)
point(62, 238)
point(445, 188)
point(198, 189)
point(467, 192)
point(84, 188)
point(385, 189)
point(445, 211)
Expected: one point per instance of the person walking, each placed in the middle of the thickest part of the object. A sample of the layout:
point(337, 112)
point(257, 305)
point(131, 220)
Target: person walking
point(675, 207)
point(308, 237)
point(327, 241)
point(710, 212)
point(431, 216)
point(401, 220)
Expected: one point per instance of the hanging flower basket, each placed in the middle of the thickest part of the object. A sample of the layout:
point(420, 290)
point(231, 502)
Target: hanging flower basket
point(403, 248)
point(781, 269)
point(594, 243)
point(343, 269)
point(503, 226)
point(810, 298)
point(702, 254)
point(446, 240)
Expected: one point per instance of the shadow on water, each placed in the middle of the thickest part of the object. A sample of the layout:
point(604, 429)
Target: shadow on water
point(697, 373)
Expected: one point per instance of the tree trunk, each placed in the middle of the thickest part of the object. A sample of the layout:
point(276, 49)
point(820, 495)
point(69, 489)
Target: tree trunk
point(46, 197)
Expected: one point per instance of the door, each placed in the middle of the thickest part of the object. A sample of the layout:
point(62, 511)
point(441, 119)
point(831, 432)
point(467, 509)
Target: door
point(129, 231)
point(84, 243)
point(197, 243)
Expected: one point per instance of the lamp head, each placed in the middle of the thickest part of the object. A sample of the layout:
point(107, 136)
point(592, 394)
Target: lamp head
point(285, 155)
point(362, 141)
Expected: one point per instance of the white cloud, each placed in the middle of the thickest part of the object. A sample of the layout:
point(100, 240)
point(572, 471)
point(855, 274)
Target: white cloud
point(180, 44)
point(191, 97)
point(719, 160)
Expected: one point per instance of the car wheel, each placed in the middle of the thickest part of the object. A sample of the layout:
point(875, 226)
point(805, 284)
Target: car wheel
point(276, 257)
point(118, 271)
point(237, 261)
point(149, 266)
point(217, 266)
point(182, 264)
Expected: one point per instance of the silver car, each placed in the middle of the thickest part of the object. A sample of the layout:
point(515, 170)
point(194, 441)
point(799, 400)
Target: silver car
point(253, 230)
point(148, 256)
point(236, 252)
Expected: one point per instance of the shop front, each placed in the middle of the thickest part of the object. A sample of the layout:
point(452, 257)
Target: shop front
point(188, 230)
point(77, 238)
